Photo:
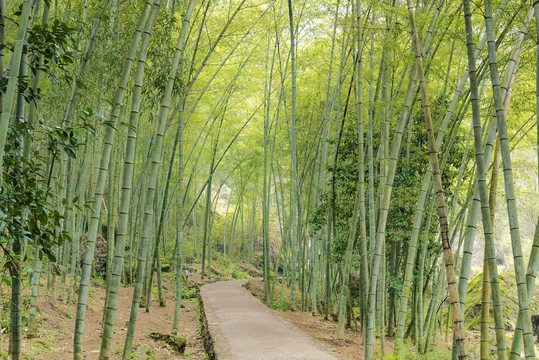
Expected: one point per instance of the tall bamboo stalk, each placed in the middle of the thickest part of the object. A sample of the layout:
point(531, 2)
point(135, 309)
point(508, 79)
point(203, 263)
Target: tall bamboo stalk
point(483, 192)
point(186, 22)
point(295, 185)
point(419, 211)
point(448, 256)
point(98, 197)
point(155, 157)
point(533, 262)
point(523, 298)
point(359, 204)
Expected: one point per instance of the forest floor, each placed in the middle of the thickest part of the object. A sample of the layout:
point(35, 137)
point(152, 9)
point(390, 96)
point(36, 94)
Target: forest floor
point(56, 321)
point(325, 331)
point(56, 325)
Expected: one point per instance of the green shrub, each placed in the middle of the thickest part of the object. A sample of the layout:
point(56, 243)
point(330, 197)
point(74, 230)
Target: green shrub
point(281, 305)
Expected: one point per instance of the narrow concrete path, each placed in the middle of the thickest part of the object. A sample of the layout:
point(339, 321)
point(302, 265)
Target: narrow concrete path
point(243, 328)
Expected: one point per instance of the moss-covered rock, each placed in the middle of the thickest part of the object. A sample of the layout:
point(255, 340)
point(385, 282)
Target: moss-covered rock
point(143, 352)
point(508, 289)
point(177, 344)
point(165, 267)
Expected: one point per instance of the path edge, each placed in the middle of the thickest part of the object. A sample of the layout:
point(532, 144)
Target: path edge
point(204, 330)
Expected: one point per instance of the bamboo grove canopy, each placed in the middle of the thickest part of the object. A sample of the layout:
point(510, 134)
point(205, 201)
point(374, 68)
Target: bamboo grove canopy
point(372, 157)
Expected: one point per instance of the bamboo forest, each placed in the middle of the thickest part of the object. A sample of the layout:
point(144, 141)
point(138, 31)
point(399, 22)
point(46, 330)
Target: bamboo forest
point(275, 179)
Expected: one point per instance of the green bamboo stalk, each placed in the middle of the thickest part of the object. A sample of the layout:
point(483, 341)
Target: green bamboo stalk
point(26, 153)
point(207, 213)
point(489, 140)
point(483, 192)
point(153, 258)
point(420, 288)
point(384, 210)
point(2, 39)
point(98, 197)
point(448, 256)
point(367, 255)
point(10, 95)
point(266, 196)
point(509, 188)
point(80, 218)
point(155, 157)
point(485, 303)
point(68, 226)
point(178, 138)
point(419, 211)
point(295, 184)
point(533, 262)
point(181, 168)
point(431, 332)
point(16, 261)
point(265, 188)
point(359, 205)
point(329, 101)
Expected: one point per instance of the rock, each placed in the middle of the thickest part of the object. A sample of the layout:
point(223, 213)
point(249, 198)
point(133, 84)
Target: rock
point(143, 352)
point(166, 268)
point(177, 344)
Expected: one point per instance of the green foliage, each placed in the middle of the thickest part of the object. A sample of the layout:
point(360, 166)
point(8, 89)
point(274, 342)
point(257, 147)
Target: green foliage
point(394, 285)
point(60, 139)
point(508, 287)
point(53, 42)
point(190, 289)
point(410, 353)
point(26, 214)
point(279, 304)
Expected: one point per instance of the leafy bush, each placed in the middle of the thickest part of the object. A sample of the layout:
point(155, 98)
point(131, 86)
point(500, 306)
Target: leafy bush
point(281, 305)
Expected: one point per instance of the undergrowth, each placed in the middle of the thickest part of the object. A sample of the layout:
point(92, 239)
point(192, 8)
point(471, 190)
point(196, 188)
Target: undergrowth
point(410, 353)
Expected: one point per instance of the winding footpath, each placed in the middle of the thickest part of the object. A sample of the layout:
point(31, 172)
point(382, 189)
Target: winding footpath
point(241, 327)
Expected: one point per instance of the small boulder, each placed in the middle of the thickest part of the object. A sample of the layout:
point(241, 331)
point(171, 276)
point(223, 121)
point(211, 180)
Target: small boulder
point(166, 268)
point(177, 344)
point(143, 352)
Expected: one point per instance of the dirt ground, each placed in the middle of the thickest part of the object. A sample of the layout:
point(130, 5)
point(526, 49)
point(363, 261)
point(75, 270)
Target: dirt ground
point(324, 330)
point(56, 323)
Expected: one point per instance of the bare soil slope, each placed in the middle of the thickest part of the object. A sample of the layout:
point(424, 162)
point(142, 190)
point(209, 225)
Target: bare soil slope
point(54, 339)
